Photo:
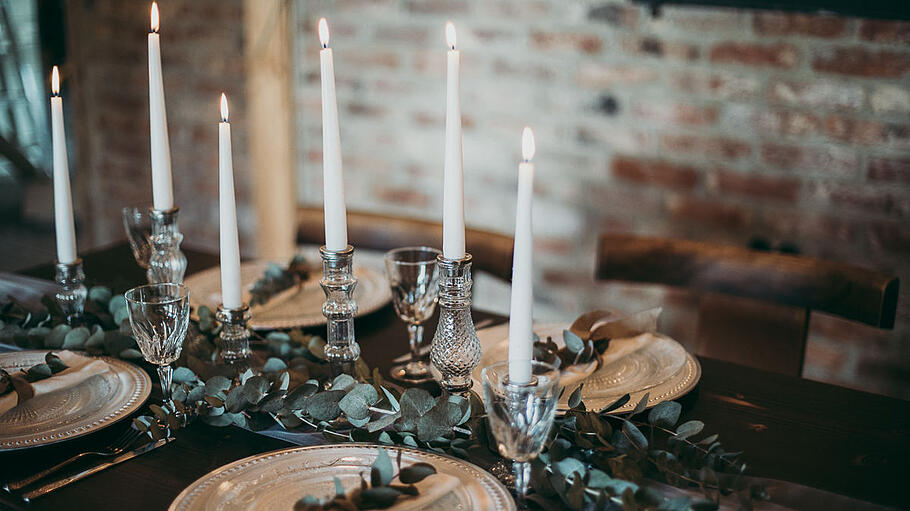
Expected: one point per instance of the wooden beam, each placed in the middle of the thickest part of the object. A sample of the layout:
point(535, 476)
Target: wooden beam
point(271, 142)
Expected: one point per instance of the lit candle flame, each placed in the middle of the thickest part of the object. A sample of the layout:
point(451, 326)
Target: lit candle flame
point(55, 81)
point(155, 17)
point(224, 108)
point(323, 32)
point(450, 35)
point(527, 144)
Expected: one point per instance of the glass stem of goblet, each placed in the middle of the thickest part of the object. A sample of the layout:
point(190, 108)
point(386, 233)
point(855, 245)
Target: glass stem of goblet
point(166, 374)
point(522, 471)
point(415, 334)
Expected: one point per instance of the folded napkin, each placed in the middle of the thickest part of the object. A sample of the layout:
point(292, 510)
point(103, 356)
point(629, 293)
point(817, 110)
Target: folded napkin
point(433, 491)
point(79, 368)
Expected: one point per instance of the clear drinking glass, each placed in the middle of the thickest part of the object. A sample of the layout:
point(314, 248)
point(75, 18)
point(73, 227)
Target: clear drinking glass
point(521, 414)
point(138, 227)
point(159, 315)
point(412, 276)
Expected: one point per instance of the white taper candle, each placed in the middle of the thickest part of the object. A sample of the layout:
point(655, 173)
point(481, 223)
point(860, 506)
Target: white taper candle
point(336, 225)
point(230, 244)
point(453, 183)
point(162, 187)
point(63, 201)
point(521, 336)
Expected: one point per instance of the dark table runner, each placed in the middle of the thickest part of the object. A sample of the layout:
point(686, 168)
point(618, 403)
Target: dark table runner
point(841, 440)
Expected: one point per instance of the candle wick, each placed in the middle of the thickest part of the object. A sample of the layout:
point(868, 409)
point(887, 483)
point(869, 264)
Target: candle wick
point(325, 46)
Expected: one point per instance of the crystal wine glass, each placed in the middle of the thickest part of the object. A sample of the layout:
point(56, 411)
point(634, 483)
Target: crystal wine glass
point(159, 315)
point(521, 414)
point(414, 282)
point(138, 227)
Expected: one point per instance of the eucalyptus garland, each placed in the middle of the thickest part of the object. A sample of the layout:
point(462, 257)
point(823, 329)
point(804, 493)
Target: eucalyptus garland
point(104, 327)
point(594, 459)
point(276, 279)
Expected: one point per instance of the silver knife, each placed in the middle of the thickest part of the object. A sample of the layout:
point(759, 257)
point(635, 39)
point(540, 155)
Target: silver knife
point(49, 487)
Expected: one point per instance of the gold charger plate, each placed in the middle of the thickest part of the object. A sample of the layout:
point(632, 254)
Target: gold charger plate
point(296, 307)
point(278, 479)
point(69, 413)
point(649, 363)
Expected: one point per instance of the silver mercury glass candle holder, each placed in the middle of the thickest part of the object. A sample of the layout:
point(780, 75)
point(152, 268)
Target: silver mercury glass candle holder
point(338, 283)
point(71, 294)
point(235, 336)
point(455, 350)
point(166, 262)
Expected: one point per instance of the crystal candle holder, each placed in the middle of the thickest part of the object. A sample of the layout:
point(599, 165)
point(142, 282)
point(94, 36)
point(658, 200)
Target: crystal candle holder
point(455, 350)
point(235, 336)
point(338, 283)
point(166, 262)
point(72, 292)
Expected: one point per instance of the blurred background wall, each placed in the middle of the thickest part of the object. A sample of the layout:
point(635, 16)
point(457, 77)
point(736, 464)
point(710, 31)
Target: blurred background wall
point(774, 129)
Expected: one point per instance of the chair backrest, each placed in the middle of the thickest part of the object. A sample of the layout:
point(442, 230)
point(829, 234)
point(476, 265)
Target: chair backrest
point(780, 288)
point(490, 251)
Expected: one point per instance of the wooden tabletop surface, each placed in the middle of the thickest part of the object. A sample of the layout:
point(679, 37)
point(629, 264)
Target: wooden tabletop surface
point(841, 440)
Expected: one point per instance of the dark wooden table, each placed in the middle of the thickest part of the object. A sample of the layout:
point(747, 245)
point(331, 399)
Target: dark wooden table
point(841, 440)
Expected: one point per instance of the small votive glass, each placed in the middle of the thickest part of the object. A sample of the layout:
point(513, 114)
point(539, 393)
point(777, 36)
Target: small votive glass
point(521, 415)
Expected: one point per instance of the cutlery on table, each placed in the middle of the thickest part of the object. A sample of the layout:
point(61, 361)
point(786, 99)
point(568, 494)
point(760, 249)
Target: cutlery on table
point(49, 487)
point(118, 446)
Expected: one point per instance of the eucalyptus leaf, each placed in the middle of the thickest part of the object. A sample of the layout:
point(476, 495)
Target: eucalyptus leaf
point(416, 402)
point(254, 389)
point(35, 336)
point(75, 338)
point(642, 404)
point(366, 392)
point(130, 354)
point(383, 422)
point(574, 343)
point(100, 294)
point(216, 384)
point(39, 372)
point(316, 347)
point(391, 398)
point(568, 466)
point(665, 414)
point(339, 489)
point(575, 397)
point(382, 471)
point(236, 400)
point(635, 436)
point(381, 497)
point(687, 429)
point(415, 473)
point(183, 375)
point(323, 406)
point(343, 382)
point(117, 303)
point(354, 406)
point(55, 338)
point(95, 342)
point(273, 365)
point(54, 363)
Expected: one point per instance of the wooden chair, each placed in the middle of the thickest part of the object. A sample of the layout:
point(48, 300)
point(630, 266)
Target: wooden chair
point(492, 252)
point(754, 306)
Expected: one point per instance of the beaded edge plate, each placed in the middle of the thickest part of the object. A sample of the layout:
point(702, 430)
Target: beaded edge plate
point(256, 482)
point(135, 387)
point(292, 308)
point(677, 384)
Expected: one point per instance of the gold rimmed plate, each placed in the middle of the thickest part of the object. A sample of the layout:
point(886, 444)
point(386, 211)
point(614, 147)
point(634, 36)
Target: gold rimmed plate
point(278, 479)
point(74, 411)
point(647, 363)
point(299, 306)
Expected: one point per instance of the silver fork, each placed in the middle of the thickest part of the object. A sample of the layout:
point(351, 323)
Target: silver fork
point(116, 447)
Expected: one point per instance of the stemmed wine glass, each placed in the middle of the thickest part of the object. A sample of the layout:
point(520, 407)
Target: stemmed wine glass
point(138, 229)
point(159, 315)
point(521, 414)
point(414, 282)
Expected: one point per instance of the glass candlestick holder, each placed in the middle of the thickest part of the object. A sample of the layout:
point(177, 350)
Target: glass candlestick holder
point(166, 262)
point(338, 283)
point(71, 294)
point(455, 350)
point(234, 336)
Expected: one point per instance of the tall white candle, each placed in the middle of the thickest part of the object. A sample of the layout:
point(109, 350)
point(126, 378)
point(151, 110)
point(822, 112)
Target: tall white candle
point(336, 224)
point(162, 189)
point(453, 191)
point(63, 201)
point(521, 336)
point(230, 245)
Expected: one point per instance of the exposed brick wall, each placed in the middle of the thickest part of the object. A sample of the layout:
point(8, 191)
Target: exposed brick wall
point(202, 55)
point(703, 123)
